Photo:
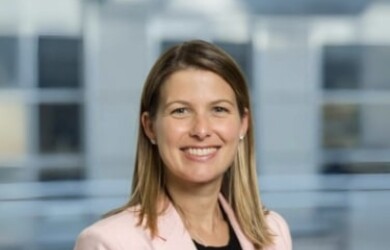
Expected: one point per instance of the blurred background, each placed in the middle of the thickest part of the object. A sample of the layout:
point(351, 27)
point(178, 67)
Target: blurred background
point(71, 73)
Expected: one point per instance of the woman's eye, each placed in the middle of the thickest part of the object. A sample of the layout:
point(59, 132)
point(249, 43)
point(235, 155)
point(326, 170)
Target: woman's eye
point(180, 111)
point(221, 109)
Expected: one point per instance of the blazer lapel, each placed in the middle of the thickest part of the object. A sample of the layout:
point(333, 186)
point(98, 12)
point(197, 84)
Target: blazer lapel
point(171, 232)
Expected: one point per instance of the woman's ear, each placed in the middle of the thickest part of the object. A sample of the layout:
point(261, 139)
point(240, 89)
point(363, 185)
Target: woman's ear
point(147, 125)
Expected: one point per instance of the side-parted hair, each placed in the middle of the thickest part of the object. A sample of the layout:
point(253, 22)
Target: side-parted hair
point(239, 185)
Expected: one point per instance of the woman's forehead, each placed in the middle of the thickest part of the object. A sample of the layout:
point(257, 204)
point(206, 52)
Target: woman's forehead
point(196, 84)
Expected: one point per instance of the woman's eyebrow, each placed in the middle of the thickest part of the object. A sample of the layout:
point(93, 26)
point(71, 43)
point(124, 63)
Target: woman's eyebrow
point(170, 103)
point(223, 101)
point(184, 102)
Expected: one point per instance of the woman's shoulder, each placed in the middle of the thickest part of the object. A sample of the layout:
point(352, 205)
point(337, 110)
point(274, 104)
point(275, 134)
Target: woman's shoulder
point(279, 228)
point(121, 221)
point(113, 232)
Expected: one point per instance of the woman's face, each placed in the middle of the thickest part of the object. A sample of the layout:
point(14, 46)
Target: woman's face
point(197, 127)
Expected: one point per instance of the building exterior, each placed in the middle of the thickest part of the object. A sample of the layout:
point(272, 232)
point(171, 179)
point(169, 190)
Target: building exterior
point(71, 74)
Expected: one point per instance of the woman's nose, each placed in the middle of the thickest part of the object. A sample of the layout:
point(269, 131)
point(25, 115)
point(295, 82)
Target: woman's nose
point(200, 127)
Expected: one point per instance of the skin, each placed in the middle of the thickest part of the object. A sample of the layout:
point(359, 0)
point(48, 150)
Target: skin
point(197, 130)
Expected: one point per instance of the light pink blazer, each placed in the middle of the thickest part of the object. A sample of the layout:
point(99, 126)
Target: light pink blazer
point(120, 232)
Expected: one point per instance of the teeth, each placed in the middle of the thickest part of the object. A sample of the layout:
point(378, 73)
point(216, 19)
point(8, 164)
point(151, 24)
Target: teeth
point(201, 151)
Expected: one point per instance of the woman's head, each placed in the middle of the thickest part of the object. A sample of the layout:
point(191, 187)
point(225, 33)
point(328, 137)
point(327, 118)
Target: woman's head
point(195, 56)
point(239, 181)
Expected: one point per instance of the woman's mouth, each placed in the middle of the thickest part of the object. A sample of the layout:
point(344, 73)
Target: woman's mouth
point(201, 151)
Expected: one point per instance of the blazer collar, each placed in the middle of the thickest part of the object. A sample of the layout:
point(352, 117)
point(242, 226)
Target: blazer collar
point(172, 233)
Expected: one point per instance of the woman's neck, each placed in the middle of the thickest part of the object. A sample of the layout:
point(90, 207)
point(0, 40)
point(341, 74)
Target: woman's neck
point(200, 211)
point(197, 204)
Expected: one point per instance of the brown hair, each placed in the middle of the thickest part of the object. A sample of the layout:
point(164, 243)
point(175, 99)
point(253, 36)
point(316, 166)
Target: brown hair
point(239, 185)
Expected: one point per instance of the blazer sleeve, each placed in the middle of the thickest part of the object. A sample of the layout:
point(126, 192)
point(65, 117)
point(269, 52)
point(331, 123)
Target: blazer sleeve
point(280, 230)
point(90, 240)
point(117, 232)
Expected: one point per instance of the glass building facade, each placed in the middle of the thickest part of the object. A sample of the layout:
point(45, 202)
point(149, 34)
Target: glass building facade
point(71, 74)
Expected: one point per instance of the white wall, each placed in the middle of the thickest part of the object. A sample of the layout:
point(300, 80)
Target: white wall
point(285, 93)
point(116, 65)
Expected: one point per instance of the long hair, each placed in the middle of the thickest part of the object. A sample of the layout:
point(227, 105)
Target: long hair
point(239, 185)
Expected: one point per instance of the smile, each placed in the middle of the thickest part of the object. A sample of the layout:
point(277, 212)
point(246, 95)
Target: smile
point(201, 151)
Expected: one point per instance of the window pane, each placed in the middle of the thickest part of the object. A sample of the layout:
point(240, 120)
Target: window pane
point(375, 125)
point(8, 61)
point(12, 174)
point(356, 126)
point(341, 128)
point(356, 67)
point(375, 69)
point(242, 54)
point(357, 168)
point(60, 128)
point(59, 60)
point(13, 139)
point(166, 44)
point(342, 67)
point(56, 174)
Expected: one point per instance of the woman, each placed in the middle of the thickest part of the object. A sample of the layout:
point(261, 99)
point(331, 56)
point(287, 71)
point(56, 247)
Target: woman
point(195, 182)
